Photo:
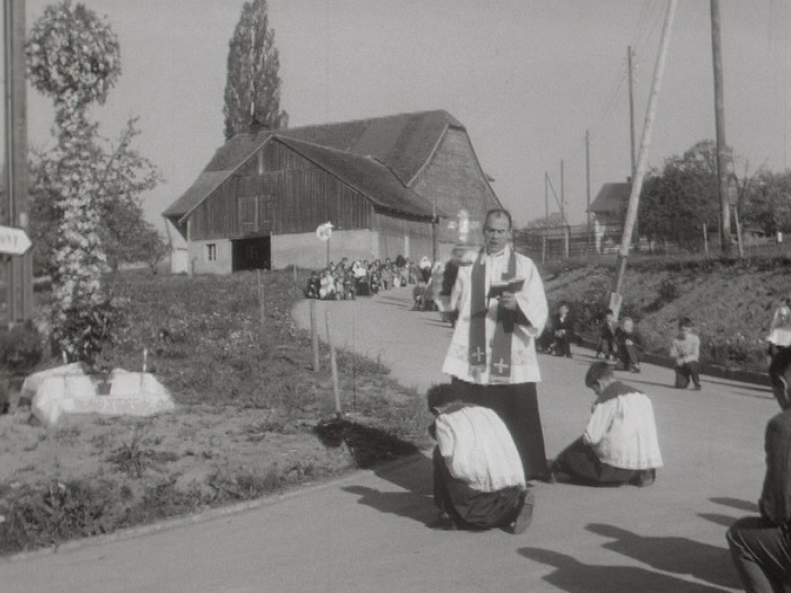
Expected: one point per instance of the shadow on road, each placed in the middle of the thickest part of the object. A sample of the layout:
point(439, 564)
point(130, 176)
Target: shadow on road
point(716, 518)
point(679, 555)
point(736, 503)
point(414, 500)
point(577, 577)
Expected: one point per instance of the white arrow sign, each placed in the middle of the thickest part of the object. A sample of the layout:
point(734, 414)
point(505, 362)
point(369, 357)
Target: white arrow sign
point(13, 241)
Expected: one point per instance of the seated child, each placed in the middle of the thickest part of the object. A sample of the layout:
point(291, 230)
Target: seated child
point(606, 345)
point(479, 482)
point(685, 348)
point(620, 443)
point(628, 345)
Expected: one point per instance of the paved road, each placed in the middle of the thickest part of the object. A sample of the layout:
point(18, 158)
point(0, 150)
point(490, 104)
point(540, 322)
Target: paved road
point(366, 532)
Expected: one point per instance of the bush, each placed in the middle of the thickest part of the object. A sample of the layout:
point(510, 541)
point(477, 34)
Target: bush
point(85, 331)
point(21, 348)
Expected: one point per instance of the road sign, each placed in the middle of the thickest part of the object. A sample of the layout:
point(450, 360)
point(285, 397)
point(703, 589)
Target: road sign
point(324, 231)
point(13, 241)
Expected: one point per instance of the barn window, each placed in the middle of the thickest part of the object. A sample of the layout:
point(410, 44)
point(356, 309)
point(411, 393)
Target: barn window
point(260, 162)
point(248, 214)
point(211, 251)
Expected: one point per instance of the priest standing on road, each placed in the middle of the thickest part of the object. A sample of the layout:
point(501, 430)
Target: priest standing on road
point(492, 356)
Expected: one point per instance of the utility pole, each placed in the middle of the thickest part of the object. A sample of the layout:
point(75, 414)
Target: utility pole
point(588, 180)
point(631, 113)
point(562, 195)
point(546, 197)
point(719, 117)
point(642, 161)
point(19, 295)
point(630, 54)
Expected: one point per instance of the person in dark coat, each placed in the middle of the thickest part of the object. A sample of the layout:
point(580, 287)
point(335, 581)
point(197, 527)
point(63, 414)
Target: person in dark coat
point(761, 546)
point(562, 331)
point(628, 345)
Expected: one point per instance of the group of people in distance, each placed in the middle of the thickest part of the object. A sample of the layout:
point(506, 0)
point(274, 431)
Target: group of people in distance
point(621, 343)
point(490, 441)
point(345, 280)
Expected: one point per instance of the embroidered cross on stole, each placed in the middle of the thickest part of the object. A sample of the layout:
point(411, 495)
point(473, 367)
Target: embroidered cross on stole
point(500, 367)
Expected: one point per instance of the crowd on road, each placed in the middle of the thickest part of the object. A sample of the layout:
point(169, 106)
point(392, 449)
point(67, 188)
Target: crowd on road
point(489, 435)
point(347, 280)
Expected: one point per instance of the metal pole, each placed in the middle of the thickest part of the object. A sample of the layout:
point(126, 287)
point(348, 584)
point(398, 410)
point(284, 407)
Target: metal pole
point(719, 116)
point(642, 160)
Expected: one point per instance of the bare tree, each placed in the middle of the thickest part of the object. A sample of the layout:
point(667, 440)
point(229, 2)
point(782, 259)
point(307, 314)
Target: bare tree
point(252, 89)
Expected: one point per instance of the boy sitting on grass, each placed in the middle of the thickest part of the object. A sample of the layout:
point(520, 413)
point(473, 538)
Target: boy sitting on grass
point(620, 444)
point(479, 482)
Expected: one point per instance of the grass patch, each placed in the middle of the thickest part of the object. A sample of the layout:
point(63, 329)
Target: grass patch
point(250, 408)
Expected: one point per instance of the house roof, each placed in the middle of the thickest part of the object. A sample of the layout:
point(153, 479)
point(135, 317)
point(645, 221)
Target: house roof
point(401, 144)
point(612, 198)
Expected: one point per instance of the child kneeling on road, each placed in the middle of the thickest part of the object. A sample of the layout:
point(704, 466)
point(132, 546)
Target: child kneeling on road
point(620, 443)
point(479, 482)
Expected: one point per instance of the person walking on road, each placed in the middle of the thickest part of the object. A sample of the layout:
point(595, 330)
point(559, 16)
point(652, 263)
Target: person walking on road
point(761, 546)
point(620, 443)
point(492, 356)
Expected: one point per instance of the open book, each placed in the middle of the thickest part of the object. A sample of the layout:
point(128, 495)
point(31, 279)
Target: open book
point(497, 289)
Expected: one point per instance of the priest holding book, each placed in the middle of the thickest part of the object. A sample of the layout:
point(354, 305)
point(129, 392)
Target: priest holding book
point(492, 356)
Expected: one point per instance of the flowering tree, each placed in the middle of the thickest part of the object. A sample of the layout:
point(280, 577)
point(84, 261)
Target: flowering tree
point(74, 58)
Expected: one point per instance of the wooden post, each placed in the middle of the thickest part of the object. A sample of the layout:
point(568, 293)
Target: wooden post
point(314, 336)
point(543, 249)
point(328, 254)
point(261, 305)
point(738, 233)
point(705, 239)
point(333, 366)
point(296, 280)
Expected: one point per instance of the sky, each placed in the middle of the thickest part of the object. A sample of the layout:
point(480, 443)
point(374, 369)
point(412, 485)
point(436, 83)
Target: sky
point(527, 78)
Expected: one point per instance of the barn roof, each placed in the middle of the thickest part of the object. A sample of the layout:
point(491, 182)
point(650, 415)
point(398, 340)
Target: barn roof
point(402, 144)
point(612, 197)
point(365, 174)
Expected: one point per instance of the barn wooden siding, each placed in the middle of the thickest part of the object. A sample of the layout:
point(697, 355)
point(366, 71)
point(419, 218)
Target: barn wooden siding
point(278, 191)
point(392, 237)
point(453, 180)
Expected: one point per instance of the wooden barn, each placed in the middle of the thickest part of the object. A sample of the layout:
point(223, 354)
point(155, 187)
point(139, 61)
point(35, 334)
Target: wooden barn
point(379, 181)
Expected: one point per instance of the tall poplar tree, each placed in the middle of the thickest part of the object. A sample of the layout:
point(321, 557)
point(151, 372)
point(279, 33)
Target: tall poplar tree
point(252, 89)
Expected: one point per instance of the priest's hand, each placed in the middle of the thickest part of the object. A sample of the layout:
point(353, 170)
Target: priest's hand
point(508, 301)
